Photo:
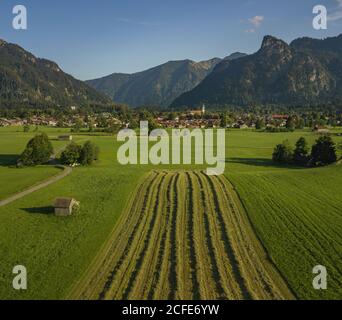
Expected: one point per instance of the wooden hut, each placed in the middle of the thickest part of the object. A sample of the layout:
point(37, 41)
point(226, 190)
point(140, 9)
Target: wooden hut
point(65, 138)
point(64, 206)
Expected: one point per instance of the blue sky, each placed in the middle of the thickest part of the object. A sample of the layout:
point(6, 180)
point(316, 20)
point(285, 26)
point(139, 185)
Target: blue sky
point(93, 38)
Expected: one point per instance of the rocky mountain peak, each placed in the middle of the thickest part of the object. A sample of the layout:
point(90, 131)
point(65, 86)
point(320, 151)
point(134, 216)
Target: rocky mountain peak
point(273, 43)
point(2, 42)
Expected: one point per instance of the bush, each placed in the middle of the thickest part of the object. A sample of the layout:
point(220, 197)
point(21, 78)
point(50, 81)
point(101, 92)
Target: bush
point(301, 152)
point(323, 152)
point(152, 125)
point(89, 153)
point(283, 153)
point(38, 151)
point(260, 124)
point(71, 154)
point(76, 154)
point(291, 123)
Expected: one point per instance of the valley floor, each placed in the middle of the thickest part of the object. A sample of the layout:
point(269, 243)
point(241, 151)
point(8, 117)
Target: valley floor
point(183, 236)
point(256, 232)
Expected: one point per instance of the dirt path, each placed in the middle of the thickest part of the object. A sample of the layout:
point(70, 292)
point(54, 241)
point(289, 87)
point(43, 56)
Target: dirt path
point(17, 196)
point(183, 235)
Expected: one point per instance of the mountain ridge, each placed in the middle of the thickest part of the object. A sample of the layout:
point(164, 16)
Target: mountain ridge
point(27, 80)
point(305, 72)
point(157, 86)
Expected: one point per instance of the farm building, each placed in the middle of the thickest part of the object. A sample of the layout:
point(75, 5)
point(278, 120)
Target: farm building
point(65, 138)
point(64, 206)
point(4, 123)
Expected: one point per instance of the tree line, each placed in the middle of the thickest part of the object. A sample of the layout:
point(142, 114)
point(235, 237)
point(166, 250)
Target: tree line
point(322, 153)
point(39, 150)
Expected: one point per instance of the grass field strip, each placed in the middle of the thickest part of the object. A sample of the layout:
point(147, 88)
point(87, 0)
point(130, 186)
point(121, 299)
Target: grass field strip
point(183, 235)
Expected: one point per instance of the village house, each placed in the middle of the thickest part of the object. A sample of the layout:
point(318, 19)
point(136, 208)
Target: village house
point(199, 112)
point(280, 117)
point(13, 122)
point(51, 122)
point(4, 122)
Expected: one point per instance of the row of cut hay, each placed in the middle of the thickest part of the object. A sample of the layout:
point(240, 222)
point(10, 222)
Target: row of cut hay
point(235, 261)
point(185, 236)
point(125, 274)
point(261, 278)
point(105, 265)
point(164, 285)
point(184, 280)
point(205, 263)
point(190, 207)
point(151, 257)
point(212, 243)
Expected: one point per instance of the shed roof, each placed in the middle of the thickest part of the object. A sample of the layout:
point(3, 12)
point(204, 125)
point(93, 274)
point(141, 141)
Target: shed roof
point(63, 202)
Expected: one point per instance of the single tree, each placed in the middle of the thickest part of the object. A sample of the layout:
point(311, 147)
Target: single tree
point(323, 152)
point(91, 124)
point(38, 151)
point(78, 125)
point(71, 155)
point(291, 123)
point(301, 152)
point(260, 124)
point(300, 124)
point(283, 153)
point(224, 119)
point(152, 124)
point(172, 116)
point(134, 124)
point(89, 153)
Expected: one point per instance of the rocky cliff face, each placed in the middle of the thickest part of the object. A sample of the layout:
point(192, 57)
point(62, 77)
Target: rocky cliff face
point(303, 73)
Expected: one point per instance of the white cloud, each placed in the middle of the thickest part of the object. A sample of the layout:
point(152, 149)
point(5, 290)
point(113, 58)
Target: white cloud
point(256, 21)
point(337, 15)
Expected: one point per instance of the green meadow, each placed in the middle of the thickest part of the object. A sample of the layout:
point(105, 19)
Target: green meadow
point(295, 212)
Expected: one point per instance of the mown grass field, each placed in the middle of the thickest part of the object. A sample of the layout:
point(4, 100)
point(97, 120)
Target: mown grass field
point(295, 214)
point(171, 244)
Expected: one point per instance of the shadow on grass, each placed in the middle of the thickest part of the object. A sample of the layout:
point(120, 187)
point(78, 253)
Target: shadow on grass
point(8, 160)
point(42, 210)
point(261, 162)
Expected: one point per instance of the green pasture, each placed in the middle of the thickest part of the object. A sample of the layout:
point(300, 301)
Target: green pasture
point(296, 212)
